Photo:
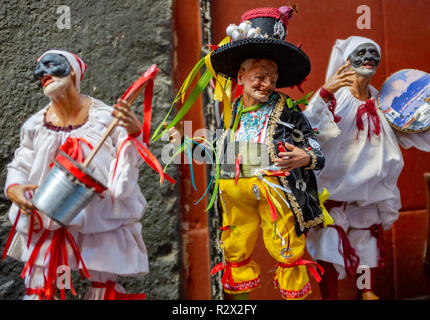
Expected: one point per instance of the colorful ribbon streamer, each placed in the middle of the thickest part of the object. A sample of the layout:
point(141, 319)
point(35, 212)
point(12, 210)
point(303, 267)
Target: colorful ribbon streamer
point(227, 277)
point(130, 94)
point(311, 265)
point(79, 174)
point(322, 197)
point(192, 97)
point(215, 165)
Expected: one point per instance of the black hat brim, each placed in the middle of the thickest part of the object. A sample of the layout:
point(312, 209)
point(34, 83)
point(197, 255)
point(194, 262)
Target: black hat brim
point(293, 64)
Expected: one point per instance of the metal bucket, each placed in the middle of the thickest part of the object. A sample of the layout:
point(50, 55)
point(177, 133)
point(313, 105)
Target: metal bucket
point(63, 193)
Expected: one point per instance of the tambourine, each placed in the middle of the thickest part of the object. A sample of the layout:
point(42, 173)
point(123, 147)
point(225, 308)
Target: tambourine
point(404, 99)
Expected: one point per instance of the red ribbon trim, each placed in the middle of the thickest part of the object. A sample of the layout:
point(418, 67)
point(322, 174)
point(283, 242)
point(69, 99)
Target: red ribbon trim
point(237, 89)
point(237, 168)
point(11, 235)
point(377, 231)
point(147, 156)
point(57, 252)
point(369, 108)
point(300, 85)
point(30, 262)
point(143, 151)
point(350, 257)
point(112, 294)
point(311, 265)
point(213, 47)
point(277, 173)
point(330, 204)
point(73, 148)
point(31, 229)
point(227, 277)
point(149, 77)
point(147, 111)
point(78, 174)
point(31, 226)
point(41, 293)
point(273, 212)
point(324, 93)
point(228, 227)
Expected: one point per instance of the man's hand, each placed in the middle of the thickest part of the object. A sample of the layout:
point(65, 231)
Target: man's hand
point(126, 117)
point(297, 158)
point(16, 194)
point(340, 79)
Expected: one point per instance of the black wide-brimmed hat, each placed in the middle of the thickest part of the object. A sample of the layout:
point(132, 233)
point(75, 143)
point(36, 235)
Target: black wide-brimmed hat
point(261, 34)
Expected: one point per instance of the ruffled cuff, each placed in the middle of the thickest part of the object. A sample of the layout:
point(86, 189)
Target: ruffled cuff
point(324, 93)
point(136, 135)
point(317, 160)
point(130, 153)
point(419, 140)
point(314, 160)
point(241, 277)
point(323, 109)
point(292, 282)
point(321, 119)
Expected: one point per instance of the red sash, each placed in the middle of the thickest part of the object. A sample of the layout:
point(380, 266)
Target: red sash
point(112, 294)
point(57, 252)
point(227, 276)
point(311, 265)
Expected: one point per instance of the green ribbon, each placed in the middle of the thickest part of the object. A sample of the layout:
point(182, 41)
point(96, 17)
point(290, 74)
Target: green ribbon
point(239, 115)
point(187, 145)
point(293, 104)
point(200, 86)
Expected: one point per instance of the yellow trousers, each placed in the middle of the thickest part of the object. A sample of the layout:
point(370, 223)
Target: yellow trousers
point(242, 215)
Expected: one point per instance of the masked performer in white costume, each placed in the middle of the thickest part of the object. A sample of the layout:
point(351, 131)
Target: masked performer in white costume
point(363, 163)
point(105, 237)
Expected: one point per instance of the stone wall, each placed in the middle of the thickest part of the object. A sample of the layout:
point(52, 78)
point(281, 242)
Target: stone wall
point(118, 40)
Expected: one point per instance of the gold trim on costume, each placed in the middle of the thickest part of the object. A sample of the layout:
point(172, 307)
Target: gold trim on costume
point(292, 199)
point(313, 160)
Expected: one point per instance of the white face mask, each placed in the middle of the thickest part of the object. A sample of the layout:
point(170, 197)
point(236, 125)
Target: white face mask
point(57, 86)
point(365, 72)
point(365, 59)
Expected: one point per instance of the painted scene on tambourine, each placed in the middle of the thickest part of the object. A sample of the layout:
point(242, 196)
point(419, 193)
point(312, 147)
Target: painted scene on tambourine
point(405, 100)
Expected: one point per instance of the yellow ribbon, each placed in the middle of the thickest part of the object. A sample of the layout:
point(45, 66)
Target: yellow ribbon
point(327, 219)
point(228, 86)
point(221, 84)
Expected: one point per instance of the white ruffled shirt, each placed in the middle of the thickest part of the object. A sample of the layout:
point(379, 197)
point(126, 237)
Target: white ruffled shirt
point(107, 231)
point(358, 170)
